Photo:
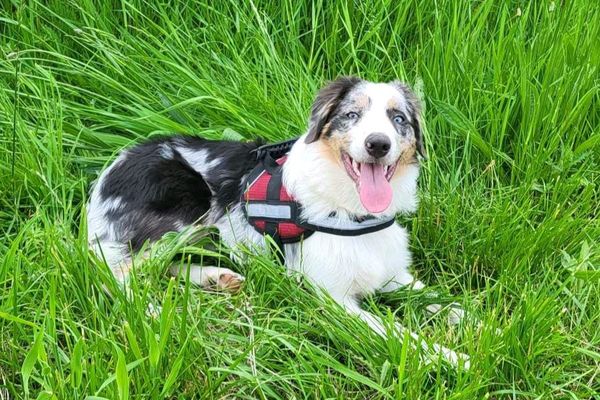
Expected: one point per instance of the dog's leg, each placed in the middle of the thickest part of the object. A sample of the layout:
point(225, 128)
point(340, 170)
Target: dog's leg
point(405, 280)
point(215, 278)
point(118, 260)
point(402, 279)
point(431, 352)
point(121, 262)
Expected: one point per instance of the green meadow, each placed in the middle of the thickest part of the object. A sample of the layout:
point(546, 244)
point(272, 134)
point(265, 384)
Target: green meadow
point(508, 223)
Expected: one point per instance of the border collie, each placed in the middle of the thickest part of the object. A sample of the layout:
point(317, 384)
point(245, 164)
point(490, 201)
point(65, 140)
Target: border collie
point(358, 159)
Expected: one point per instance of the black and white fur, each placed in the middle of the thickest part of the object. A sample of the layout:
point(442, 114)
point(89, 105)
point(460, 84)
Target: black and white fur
point(171, 183)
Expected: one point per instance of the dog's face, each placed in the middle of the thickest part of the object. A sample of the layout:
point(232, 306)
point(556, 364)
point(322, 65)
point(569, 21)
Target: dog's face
point(369, 129)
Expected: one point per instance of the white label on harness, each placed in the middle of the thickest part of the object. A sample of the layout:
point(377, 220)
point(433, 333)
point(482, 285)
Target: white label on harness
point(257, 210)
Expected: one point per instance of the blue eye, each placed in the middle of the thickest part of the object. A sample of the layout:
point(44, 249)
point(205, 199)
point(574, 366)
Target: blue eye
point(352, 115)
point(399, 119)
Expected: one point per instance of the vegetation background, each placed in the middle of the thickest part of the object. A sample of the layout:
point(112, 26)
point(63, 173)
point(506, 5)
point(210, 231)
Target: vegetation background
point(508, 223)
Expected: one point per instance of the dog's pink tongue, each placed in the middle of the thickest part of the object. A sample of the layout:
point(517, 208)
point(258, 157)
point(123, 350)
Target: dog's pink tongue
point(374, 190)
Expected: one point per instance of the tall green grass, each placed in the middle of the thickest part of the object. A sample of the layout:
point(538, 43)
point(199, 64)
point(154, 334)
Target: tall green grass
point(508, 223)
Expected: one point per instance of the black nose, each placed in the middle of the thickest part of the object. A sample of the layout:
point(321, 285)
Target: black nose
point(377, 145)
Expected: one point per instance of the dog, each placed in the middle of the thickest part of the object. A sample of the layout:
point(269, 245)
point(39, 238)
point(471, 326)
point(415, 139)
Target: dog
point(358, 161)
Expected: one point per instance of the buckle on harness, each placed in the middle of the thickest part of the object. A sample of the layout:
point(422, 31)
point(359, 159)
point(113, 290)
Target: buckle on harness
point(268, 154)
point(275, 150)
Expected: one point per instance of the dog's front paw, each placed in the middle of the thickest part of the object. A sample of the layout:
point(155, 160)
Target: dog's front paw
point(454, 358)
point(230, 281)
point(457, 359)
point(455, 312)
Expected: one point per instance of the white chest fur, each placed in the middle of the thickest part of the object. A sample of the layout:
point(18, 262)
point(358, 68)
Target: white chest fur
point(354, 265)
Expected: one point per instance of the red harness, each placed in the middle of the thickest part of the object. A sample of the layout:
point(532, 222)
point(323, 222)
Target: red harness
point(269, 207)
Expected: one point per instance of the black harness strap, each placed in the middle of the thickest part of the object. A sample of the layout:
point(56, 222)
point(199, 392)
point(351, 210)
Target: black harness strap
point(359, 230)
point(273, 190)
point(273, 151)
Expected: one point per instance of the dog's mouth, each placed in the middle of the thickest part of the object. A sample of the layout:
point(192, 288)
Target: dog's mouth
point(372, 182)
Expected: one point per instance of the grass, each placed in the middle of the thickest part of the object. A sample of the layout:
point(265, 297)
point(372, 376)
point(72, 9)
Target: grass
point(508, 223)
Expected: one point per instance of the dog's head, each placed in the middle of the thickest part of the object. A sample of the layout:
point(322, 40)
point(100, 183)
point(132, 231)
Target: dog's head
point(370, 129)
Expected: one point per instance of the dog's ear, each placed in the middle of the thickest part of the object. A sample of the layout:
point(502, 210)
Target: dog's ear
point(325, 104)
point(414, 108)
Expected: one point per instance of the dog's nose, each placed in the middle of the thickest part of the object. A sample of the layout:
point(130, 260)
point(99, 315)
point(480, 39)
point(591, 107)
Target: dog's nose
point(377, 145)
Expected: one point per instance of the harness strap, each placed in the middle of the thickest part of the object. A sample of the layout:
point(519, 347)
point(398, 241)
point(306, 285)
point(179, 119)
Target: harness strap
point(339, 227)
point(332, 225)
point(274, 151)
point(271, 227)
